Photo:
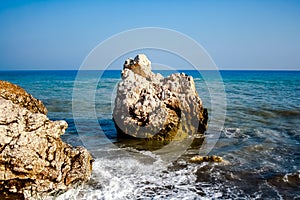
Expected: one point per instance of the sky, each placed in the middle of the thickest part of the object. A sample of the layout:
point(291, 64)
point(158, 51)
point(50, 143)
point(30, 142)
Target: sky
point(237, 34)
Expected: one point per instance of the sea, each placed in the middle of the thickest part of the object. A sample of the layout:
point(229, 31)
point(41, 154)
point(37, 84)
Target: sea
point(259, 137)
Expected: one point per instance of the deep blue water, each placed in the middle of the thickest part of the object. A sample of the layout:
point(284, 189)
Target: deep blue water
point(260, 138)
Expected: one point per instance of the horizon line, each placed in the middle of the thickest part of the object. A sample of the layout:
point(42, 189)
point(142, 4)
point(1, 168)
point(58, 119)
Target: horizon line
point(228, 69)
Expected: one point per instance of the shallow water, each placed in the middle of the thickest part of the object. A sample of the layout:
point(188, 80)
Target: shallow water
point(260, 138)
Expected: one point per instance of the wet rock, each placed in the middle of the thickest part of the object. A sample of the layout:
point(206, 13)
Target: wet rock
point(34, 161)
point(200, 159)
point(150, 106)
point(285, 183)
point(19, 96)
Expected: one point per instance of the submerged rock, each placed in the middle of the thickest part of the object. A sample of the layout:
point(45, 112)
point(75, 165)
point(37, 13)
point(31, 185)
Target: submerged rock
point(200, 159)
point(34, 161)
point(148, 105)
point(211, 159)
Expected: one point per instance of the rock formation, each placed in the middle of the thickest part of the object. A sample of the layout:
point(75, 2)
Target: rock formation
point(148, 105)
point(34, 161)
point(19, 96)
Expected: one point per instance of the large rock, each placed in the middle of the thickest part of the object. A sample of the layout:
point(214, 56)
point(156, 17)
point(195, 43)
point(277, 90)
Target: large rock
point(148, 105)
point(19, 96)
point(34, 161)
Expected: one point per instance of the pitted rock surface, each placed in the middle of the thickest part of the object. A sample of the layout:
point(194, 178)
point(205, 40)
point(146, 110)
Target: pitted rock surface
point(19, 96)
point(34, 161)
point(148, 105)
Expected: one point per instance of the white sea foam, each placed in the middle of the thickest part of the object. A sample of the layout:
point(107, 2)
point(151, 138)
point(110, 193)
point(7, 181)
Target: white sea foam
point(231, 132)
point(131, 178)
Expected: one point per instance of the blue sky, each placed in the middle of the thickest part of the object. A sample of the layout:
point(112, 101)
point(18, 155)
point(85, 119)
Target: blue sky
point(237, 34)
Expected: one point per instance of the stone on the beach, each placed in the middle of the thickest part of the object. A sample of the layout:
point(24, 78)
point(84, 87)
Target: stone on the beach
point(34, 161)
point(148, 105)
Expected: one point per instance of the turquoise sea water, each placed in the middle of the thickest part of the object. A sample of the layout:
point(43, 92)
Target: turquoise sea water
point(260, 138)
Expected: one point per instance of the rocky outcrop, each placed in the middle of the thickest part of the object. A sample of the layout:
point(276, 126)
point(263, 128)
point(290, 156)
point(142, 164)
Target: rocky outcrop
point(148, 105)
point(34, 161)
point(19, 96)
